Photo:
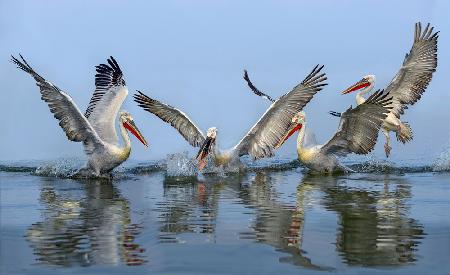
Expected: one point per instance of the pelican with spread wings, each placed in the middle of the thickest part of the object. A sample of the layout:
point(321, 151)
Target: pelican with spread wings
point(263, 137)
point(408, 85)
point(96, 128)
point(357, 133)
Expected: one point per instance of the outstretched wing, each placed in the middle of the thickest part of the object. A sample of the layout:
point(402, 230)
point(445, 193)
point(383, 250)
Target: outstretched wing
point(358, 128)
point(71, 120)
point(110, 92)
point(415, 74)
point(255, 90)
point(174, 117)
point(267, 133)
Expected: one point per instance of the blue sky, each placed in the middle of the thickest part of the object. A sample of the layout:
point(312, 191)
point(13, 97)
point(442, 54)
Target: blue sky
point(191, 54)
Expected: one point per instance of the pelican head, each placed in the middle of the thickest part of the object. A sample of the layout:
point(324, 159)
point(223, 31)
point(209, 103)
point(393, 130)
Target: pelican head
point(366, 82)
point(212, 132)
point(128, 123)
point(299, 118)
point(297, 123)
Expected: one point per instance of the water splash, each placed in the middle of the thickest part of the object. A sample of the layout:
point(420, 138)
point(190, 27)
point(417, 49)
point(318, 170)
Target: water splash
point(61, 168)
point(274, 164)
point(140, 168)
point(180, 165)
point(443, 161)
point(372, 164)
point(232, 167)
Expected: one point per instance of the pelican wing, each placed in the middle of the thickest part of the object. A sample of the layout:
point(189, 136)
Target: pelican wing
point(74, 124)
point(255, 90)
point(174, 117)
point(264, 136)
point(110, 92)
point(415, 74)
point(358, 128)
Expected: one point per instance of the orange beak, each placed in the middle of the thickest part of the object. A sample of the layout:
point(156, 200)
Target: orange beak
point(294, 128)
point(363, 83)
point(130, 126)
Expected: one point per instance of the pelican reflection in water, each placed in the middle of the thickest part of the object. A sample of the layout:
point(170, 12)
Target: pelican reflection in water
point(91, 224)
point(373, 224)
point(188, 207)
point(84, 225)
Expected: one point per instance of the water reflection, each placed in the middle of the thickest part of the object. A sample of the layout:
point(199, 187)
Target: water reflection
point(374, 227)
point(278, 224)
point(189, 206)
point(84, 224)
point(87, 224)
point(373, 224)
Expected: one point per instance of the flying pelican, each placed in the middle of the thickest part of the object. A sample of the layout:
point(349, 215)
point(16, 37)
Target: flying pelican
point(357, 133)
point(407, 86)
point(96, 128)
point(262, 138)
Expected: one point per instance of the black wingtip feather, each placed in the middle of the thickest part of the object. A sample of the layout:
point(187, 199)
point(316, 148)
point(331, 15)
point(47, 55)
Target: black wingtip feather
point(311, 79)
point(427, 34)
point(106, 77)
point(255, 90)
point(24, 66)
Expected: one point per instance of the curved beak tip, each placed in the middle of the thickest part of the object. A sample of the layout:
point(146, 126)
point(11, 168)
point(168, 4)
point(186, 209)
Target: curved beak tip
point(143, 140)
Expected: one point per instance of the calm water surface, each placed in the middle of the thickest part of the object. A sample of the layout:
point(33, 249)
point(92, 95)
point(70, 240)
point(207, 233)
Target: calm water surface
point(263, 221)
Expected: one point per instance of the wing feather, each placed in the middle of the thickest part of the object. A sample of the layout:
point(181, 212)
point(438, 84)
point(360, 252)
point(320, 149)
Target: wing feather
point(179, 120)
point(255, 90)
point(64, 109)
point(416, 72)
point(358, 128)
point(109, 95)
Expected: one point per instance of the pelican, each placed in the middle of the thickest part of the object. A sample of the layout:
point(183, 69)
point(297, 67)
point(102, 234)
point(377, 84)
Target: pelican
point(407, 86)
point(357, 133)
point(262, 138)
point(96, 128)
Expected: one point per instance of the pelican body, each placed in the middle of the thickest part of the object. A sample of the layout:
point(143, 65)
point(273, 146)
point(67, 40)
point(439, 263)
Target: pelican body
point(407, 86)
point(103, 160)
point(259, 142)
point(96, 128)
point(357, 133)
